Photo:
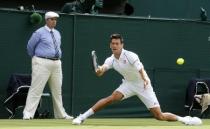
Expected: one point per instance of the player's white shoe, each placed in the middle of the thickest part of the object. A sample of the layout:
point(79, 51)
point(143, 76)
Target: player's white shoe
point(192, 120)
point(196, 121)
point(78, 121)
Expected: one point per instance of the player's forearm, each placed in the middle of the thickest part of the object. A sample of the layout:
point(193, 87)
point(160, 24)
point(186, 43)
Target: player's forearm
point(144, 75)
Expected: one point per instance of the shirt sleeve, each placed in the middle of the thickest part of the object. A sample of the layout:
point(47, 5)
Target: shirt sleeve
point(32, 43)
point(138, 65)
point(108, 64)
point(134, 60)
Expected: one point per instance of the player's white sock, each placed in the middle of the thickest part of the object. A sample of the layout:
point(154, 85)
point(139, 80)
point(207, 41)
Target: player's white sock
point(87, 113)
point(181, 119)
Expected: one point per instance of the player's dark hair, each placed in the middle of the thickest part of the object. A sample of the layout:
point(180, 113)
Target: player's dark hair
point(116, 36)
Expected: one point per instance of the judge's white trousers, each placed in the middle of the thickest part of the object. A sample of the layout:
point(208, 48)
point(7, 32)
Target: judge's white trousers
point(43, 71)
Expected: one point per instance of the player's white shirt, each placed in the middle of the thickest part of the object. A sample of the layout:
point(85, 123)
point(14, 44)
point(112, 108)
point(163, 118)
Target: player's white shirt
point(128, 65)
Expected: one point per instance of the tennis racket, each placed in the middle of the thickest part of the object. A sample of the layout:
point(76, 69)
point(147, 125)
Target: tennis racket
point(94, 60)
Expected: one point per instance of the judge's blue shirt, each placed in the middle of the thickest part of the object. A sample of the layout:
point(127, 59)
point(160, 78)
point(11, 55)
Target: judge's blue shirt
point(41, 43)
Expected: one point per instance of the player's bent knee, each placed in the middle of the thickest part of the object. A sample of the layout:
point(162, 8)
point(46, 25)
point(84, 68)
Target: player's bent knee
point(112, 99)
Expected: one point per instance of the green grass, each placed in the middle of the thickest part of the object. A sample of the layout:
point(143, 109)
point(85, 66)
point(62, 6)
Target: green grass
point(98, 124)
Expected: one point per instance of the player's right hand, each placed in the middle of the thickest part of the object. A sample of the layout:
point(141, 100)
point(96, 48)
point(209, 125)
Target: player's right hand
point(100, 71)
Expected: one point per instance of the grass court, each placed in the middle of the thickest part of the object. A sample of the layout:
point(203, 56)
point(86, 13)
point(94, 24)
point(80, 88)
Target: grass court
point(116, 123)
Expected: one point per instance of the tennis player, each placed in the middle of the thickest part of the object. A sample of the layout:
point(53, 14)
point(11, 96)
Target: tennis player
point(135, 82)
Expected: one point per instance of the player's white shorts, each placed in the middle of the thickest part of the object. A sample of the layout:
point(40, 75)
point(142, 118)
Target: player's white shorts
point(147, 96)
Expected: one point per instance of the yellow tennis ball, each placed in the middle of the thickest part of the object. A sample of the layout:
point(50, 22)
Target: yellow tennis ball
point(180, 61)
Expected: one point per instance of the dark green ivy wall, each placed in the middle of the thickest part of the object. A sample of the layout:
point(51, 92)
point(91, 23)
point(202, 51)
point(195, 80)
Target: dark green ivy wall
point(157, 42)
